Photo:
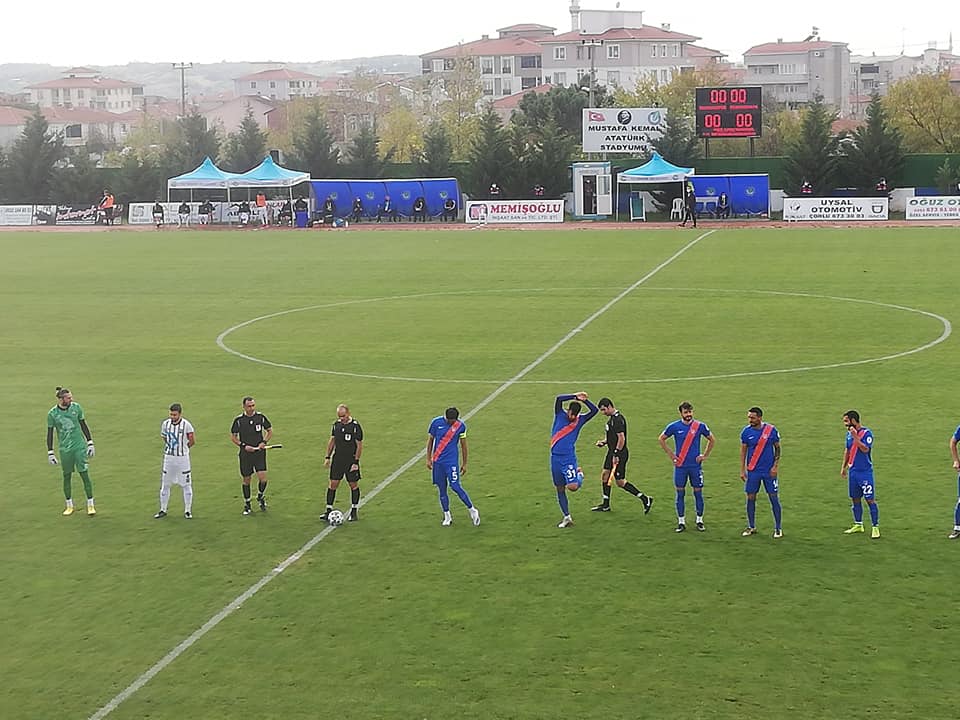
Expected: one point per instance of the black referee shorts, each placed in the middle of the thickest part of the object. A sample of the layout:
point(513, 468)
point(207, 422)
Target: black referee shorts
point(621, 472)
point(251, 462)
point(339, 470)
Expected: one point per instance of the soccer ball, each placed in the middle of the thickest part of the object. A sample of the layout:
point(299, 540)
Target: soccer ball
point(335, 517)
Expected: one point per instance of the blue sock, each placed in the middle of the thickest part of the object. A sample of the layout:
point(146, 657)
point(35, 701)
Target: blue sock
point(775, 506)
point(444, 498)
point(874, 513)
point(461, 493)
point(956, 515)
point(858, 513)
point(698, 499)
point(564, 507)
point(680, 502)
point(751, 512)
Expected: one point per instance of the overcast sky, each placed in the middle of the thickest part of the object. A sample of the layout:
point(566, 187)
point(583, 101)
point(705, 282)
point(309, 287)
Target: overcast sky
point(67, 33)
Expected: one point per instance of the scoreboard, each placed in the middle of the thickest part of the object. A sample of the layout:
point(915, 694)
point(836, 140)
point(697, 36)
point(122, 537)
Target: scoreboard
point(728, 112)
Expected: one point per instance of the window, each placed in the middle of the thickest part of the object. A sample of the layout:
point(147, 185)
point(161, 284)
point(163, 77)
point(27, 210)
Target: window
point(123, 128)
point(560, 53)
point(253, 84)
point(530, 61)
point(653, 50)
point(581, 74)
point(436, 65)
point(529, 82)
point(488, 87)
point(272, 84)
point(663, 50)
point(137, 91)
point(613, 77)
point(506, 66)
point(581, 52)
point(664, 76)
point(560, 79)
point(613, 52)
point(80, 95)
point(449, 64)
point(676, 49)
point(486, 66)
point(506, 88)
point(73, 131)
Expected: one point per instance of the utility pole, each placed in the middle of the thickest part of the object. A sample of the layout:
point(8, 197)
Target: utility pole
point(590, 45)
point(183, 67)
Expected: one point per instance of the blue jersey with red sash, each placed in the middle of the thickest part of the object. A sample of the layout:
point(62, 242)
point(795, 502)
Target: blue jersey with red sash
point(446, 436)
point(760, 442)
point(687, 438)
point(563, 438)
point(857, 459)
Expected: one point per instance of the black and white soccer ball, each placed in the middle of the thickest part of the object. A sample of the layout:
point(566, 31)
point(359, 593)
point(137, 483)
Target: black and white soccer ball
point(335, 517)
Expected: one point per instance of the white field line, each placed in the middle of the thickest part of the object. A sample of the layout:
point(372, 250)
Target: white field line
point(238, 602)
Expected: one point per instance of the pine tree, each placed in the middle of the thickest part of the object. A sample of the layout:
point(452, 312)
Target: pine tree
point(813, 156)
point(363, 157)
point(193, 143)
point(313, 150)
point(547, 161)
point(246, 148)
point(435, 160)
point(491, 158)
point(874, 151)
point(32, 162)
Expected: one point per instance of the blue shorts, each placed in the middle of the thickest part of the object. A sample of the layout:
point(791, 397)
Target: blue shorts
point(756, 477)
point(693, 473)
point(861, 484)
point(565, 471)
point(445, 473)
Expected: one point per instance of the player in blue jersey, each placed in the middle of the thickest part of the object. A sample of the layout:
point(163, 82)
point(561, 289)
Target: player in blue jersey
point(858, 465)
point(956, 466)
point(687, 460)
point(567, 424)
point(759, 465)
point(445, 438)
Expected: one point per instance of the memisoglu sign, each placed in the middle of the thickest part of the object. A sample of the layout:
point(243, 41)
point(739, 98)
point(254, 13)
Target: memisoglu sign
point(514, 211)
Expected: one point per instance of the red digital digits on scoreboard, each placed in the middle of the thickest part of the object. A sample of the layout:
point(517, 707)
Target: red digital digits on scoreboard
point(728, 112)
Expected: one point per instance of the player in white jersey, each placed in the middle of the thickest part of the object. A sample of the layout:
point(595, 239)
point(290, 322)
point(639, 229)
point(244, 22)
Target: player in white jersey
point(178, 437)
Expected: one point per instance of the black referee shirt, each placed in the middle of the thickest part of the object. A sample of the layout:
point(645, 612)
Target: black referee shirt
point(250, 428)
point(616, 424)
point(345, 438)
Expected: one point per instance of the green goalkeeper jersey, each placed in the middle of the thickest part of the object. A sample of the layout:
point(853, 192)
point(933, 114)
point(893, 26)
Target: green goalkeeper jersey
point(67, 423)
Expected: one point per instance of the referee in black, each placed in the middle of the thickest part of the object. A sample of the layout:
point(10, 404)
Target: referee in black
point(343, 459)
point(251, 431)
point(615, 463)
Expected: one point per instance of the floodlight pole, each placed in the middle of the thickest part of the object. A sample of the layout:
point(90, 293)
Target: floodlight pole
point(183, 67)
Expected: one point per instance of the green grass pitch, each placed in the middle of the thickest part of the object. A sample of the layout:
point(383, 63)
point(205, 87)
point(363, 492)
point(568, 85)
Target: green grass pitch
point(397, 617)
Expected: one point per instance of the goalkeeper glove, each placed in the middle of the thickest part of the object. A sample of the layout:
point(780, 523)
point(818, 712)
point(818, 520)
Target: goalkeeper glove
point(51, 458)
point(90, 450)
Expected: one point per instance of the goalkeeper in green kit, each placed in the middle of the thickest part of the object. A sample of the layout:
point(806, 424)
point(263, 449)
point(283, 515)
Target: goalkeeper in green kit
point(76, 446)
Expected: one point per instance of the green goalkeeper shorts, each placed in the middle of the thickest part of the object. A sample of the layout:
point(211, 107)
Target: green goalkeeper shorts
point(74, 459)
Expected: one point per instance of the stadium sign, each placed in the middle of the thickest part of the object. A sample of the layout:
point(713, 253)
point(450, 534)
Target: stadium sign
point(933, 208)
point(622, 130)
point(479, 212)
point(16, 214)
point(836, 209)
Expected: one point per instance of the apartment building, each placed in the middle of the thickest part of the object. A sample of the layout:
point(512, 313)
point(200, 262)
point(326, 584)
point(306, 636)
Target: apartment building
point(83, 87)
point(795, 72)
point(280, 84)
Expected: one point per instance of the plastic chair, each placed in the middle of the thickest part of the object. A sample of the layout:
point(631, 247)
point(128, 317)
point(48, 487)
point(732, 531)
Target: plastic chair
point(677, 210)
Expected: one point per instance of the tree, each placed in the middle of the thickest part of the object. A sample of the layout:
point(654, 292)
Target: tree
point(77, 183)
point(193, 141)
point(400, 133)
point(363, 157)
point(927, 111)
point(947, 178)
point(458, 112)
point(873, 151)
point(547, 160)
point(32, 160)
point(140, 179)
point(434, 160)
point(247, 147)
point(813, 156)
point(561, 105)
point(491, 159)
point(312, 146)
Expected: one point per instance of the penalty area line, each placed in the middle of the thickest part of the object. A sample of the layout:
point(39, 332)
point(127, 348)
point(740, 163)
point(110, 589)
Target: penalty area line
point(238, 601)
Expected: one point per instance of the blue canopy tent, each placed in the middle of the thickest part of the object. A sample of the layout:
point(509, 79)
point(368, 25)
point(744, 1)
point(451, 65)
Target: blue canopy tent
point(269, 175)
point(655, 171)
point(207, 175)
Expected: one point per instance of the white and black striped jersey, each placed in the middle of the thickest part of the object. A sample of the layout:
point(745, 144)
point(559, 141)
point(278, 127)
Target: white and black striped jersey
point(175, 437)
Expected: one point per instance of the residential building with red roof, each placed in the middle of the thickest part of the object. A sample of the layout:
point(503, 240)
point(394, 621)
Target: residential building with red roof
point(795, 72)
point(281, 84)
point(82, 87)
